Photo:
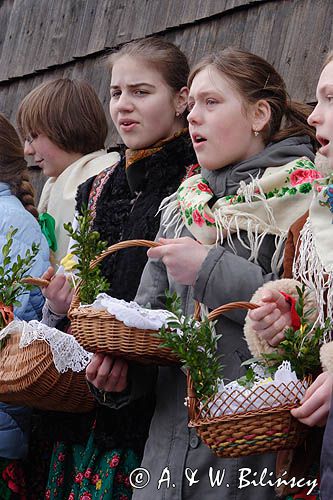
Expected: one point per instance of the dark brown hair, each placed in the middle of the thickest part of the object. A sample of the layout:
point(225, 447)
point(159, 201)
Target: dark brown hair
point(68, 112)
point(164, 56)
point(13, 167)
point(255, 79)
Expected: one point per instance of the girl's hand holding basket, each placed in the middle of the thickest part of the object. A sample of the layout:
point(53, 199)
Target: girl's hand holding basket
point(107, 373)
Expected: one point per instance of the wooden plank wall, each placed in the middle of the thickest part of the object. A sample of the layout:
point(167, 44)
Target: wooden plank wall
point(47, 39)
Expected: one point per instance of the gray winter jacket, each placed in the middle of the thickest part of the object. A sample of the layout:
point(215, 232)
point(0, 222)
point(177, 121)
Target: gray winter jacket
point(177, 465)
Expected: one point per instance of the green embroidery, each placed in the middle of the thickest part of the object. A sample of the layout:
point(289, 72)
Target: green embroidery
point(305, 188)
point(305, 163)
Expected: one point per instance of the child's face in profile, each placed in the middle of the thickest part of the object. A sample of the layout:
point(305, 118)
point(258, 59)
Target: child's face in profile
point(48, 156)
point(322, 116)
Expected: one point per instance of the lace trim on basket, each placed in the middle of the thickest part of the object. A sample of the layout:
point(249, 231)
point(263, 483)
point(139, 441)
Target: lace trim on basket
point(283, 389)
point(66, 351)
point(131, 314)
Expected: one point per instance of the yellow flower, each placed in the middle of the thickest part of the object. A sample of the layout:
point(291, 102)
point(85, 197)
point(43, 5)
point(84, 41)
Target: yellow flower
point(68, 262)
point(302, 328)
point(99, 484)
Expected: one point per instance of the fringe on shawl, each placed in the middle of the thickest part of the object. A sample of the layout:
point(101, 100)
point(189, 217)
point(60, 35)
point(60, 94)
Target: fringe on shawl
point(309, 269)
point(229, 222)
point(171, 216)
point(256, 229)
point(227, 226)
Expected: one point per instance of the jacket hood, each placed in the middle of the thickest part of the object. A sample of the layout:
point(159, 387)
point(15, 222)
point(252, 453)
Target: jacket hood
point(226, 180)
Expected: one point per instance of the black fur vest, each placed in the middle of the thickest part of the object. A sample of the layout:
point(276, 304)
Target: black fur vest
point(127, 209)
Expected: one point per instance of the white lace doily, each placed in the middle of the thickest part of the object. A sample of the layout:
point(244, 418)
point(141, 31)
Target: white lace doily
point(235, 398)
point(66, 351)
point(131, 314)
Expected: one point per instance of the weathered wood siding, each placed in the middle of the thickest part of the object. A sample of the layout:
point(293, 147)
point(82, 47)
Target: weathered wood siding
point(47, 39)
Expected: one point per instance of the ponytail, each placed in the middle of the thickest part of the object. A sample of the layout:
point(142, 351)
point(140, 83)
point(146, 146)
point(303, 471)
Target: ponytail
point(294, 122)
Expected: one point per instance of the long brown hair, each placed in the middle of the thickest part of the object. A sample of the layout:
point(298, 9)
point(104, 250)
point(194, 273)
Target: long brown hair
point(255, 78)
point(13, 167)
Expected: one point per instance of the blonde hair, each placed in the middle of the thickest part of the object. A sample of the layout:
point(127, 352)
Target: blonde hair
point(68, 112)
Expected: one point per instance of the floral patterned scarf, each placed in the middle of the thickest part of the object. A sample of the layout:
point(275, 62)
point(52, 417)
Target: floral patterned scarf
point(261, 206)
point(314, 263)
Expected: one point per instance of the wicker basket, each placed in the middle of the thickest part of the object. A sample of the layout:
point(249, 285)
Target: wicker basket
point(242, 433)
point(28, 377)
point(100, 331)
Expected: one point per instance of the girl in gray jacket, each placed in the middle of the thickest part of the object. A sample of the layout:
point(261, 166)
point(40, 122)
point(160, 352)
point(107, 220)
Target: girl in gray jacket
point(222, 234)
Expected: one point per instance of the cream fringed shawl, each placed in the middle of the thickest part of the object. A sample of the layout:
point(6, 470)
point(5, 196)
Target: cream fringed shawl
point(58, 195)
point(266, 205)
point(314, 263)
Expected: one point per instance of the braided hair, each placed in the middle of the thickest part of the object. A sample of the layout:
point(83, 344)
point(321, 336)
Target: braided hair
point(13, 167)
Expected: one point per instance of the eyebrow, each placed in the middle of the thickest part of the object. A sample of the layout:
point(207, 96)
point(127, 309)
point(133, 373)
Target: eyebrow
point(134, 85)
point(205, 93)
point(325, 88)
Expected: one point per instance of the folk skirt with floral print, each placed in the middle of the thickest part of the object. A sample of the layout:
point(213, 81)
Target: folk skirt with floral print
point(85, 473)
point(12, 482)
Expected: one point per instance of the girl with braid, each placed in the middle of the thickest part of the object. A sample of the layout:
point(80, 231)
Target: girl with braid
point(17, 209)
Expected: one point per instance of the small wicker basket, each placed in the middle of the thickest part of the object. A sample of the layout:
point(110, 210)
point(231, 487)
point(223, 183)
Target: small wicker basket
point(28, 377)
point(242, 432)
point(100, 331)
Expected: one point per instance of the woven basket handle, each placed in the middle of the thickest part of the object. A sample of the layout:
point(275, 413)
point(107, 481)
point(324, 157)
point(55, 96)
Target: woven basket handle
point(229, 307)
point(211, 316)
point(120, 246)
point(29, 280)
point(223, 309)
point(112, 249)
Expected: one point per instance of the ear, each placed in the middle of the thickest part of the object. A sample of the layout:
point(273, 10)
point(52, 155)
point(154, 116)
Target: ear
point(261, 114)
point(181, 99)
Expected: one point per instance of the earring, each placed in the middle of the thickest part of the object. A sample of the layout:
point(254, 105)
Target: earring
point(256, 133)
point(177, 113)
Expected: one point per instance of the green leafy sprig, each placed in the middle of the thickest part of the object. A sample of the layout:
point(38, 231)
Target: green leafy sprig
point(195, 344)
point(86, 248)
point(300, 347)
point(12, 272)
